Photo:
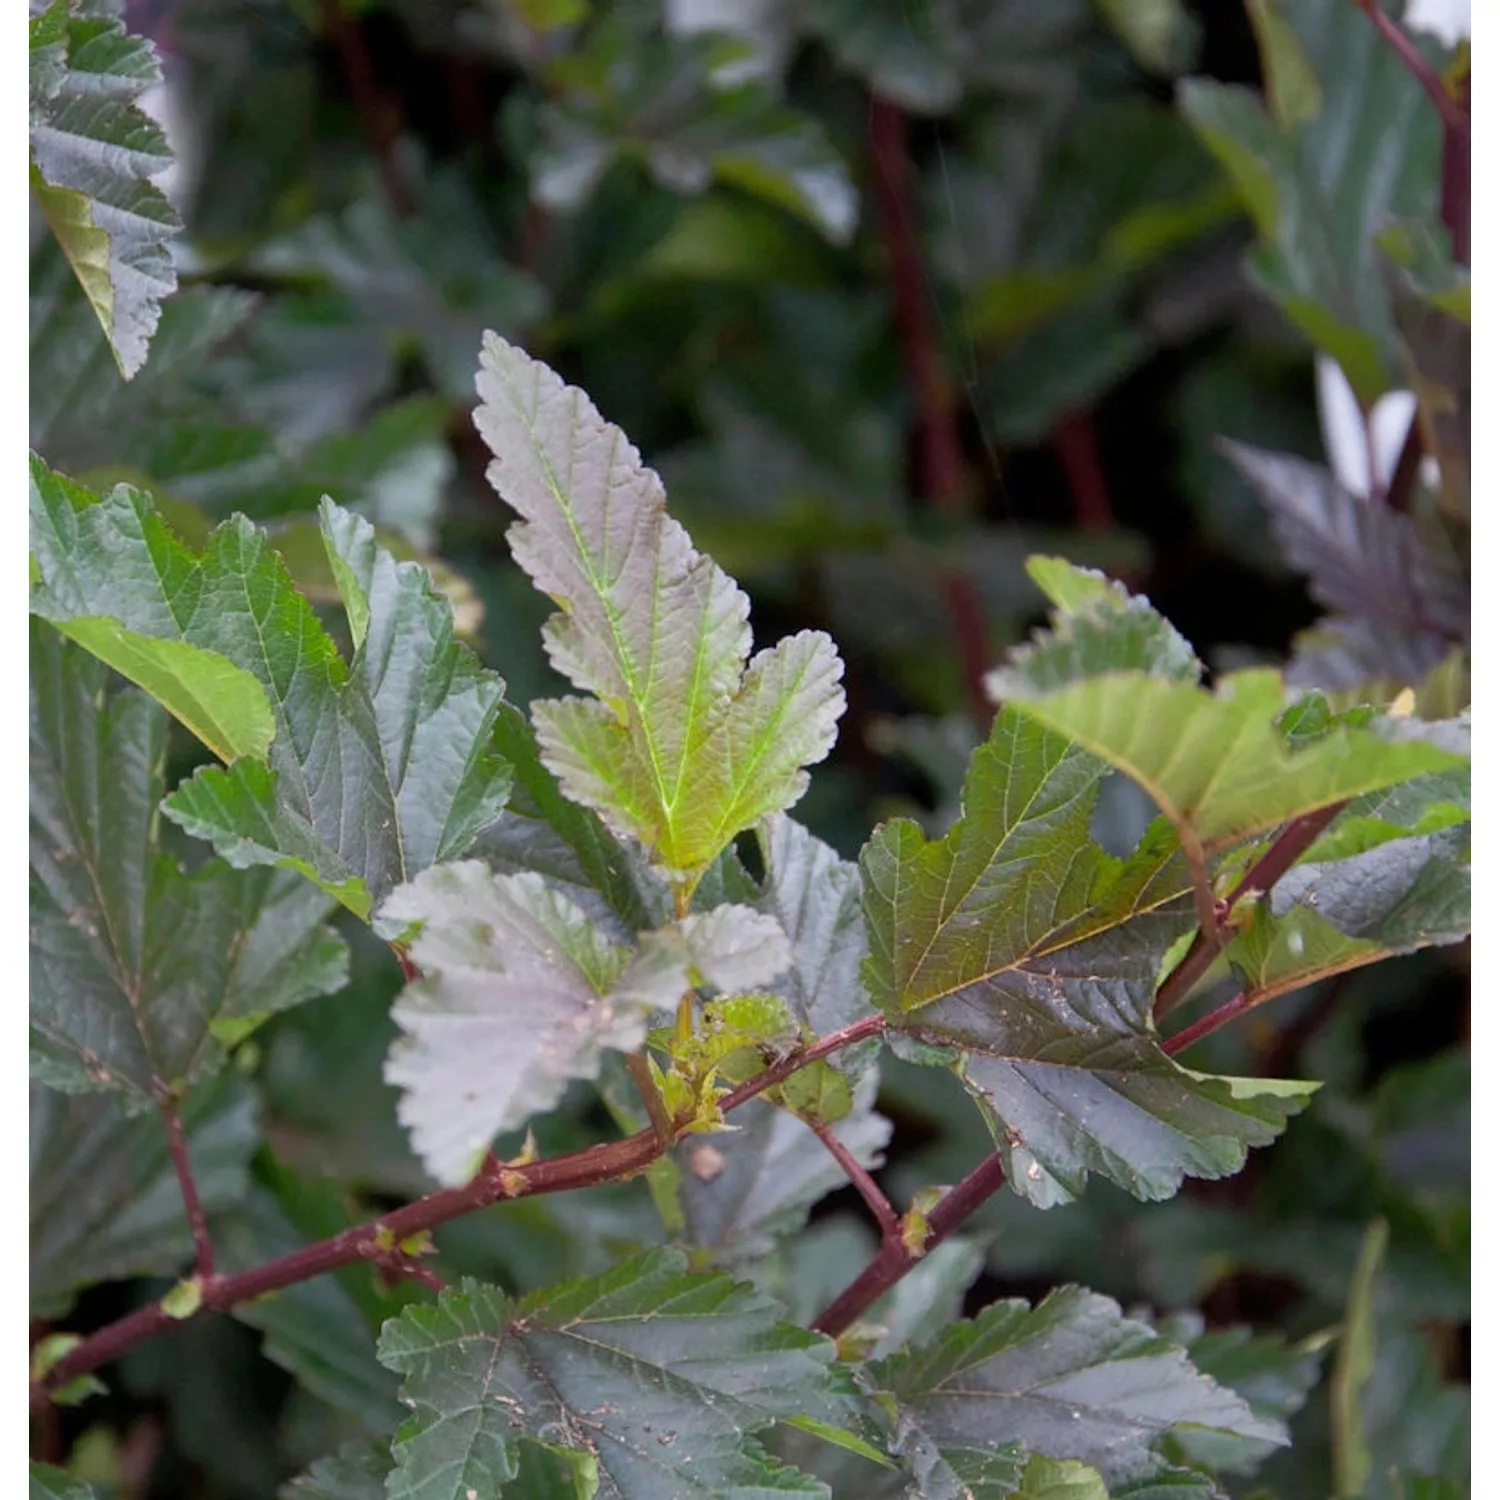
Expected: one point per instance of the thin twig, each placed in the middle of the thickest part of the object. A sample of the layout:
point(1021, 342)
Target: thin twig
point(894, 1258)
point(197, 1219)
point(1454, 116)
point(1206, 1025)
point(639, 1067)
point(379, 122)
point(1286, 849)
point(940, 447)
point(609, 1161)
point(1078, 449)
point(868, 1189)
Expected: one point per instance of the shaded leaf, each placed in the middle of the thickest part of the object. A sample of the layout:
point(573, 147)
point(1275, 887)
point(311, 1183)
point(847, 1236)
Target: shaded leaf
point(1319, 191)
point(315, 1329)
point(356, 1472)
point(744, 1188)
point(378, 768)
point(1273, 1376)
point(143, 975)
point(633, 91)
point(1361, 558)
point(684, 744)
point(105, 1201)
point(1019, 943)
point(93, 154)
point(642, 1382)
point(1071, 1378)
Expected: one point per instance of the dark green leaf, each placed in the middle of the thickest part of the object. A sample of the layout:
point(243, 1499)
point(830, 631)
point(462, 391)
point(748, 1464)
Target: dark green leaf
point(105, 1201)
point(143, 975)
point(647, 1380)
point(1071, 1378)
point(378, 769)
point(356, 1472)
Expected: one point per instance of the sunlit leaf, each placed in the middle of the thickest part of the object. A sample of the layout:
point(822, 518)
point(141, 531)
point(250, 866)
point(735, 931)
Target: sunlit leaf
point(683, 744)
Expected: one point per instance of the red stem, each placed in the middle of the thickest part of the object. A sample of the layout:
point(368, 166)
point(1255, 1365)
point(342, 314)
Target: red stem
point(1286, 849)
point(1207, 1025)
point(1455, 118)
point(379, 122)
point(875, 1200)
point(197, 1219)
point(940, 449)
point(1078, 450)
point(609, 1161)
point(893, 1260)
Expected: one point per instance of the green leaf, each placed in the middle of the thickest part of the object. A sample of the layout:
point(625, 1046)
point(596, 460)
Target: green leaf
point(1019, 942)
point(378, 768)
point(1320, 187)
point(646, 1379)
point(93, 153)
point(48, 1483)
point(634, 92)
point(105, 1201)
point(356, 1472)
point(683, 745)
point(1162, 35)
point(1060, 1479)
point(1215, 762)
point(1071, 1378)
point(1098, 626)
point(143, 975)
point(218, 701)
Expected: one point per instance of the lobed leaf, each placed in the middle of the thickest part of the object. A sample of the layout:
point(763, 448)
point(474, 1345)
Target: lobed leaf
point(105, 1202)
point(1020, 944)
point(142, 974)
point(643, 1382)
point(377, 768)
point(515, 999)
point(1217, 763)
point(1361, 559)
point(1071, 1379)
point(684, 744)
point(93, 155)
point(356, 1472)
point(1321, 185)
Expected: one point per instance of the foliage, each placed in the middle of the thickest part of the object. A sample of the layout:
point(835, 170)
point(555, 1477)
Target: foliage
point(582, 1051)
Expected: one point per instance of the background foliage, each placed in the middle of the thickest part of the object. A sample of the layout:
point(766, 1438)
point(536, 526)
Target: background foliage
point(893, 295)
